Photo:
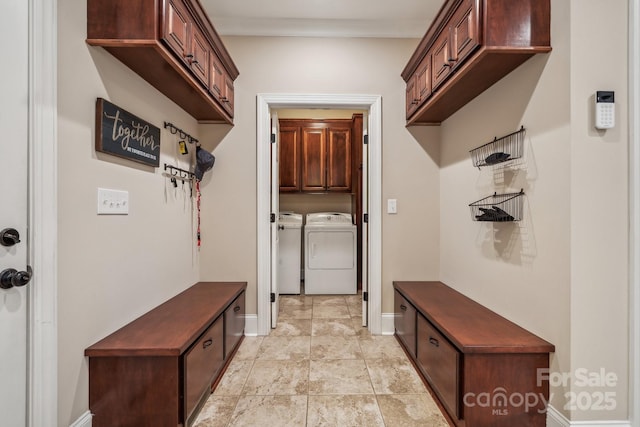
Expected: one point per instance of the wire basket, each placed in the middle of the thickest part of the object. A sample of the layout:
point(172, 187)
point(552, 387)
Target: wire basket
point(498, 208)
point(500, 150)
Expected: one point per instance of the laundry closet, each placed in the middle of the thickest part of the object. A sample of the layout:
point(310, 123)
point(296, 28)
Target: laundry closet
point(321, 201)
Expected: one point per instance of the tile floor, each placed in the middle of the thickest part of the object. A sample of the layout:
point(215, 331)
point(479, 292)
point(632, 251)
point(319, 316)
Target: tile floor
point(320, 367)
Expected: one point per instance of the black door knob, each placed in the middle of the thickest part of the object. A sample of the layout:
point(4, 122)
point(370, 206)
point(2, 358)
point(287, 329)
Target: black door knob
point(9, 237)
point(11, 277)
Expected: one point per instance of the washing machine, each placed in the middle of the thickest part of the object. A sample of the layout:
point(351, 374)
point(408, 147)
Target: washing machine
point(330, 254)
point(289, 252)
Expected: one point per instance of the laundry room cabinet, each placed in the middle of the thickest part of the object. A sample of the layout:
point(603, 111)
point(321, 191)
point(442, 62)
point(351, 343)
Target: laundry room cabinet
point(315, 155)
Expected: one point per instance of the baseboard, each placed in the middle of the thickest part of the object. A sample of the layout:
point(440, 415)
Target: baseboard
point(556, 419)
point(387, 326)
point(83, 421)
point(251, 325)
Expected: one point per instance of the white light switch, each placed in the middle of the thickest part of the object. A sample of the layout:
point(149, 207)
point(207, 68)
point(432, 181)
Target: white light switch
point(392, 206)
point(113, 202)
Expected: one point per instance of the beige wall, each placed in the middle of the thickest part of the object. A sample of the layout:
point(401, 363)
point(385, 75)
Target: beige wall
point(562, 271)
point(111, 268)
point(599, 178)
point(309, 65)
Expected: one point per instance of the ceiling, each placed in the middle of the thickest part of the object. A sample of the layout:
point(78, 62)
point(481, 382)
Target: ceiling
point(322, 18)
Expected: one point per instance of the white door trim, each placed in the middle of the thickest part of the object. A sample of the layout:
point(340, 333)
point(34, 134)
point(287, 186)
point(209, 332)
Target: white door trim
point(634, 214)
point(372, 103)
point(42, 399)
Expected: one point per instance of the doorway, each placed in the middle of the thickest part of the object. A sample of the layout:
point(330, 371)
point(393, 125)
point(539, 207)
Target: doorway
point(372, 105)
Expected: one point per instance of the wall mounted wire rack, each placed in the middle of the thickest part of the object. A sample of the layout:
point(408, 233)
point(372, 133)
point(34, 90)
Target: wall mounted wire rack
point(498, 208)
point(500, 150)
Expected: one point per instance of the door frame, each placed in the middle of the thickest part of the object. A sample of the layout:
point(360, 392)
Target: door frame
point(42, 363)
point(370, 103)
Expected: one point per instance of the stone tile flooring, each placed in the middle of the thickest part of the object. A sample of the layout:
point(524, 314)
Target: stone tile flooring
point(320, 367)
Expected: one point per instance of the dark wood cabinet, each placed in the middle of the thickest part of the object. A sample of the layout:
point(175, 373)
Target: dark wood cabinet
point(477, 363)
point(159, 369)
point(314, 159)
point(405, 323)
point(339, 159)
point(173, 46)
point(289, 158)
point(234, 317)
point(315, 155)
point(470, 45)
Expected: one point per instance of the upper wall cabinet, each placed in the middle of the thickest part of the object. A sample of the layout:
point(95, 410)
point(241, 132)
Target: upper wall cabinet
point(172, 45)
point(470, 45)
point(315, 155)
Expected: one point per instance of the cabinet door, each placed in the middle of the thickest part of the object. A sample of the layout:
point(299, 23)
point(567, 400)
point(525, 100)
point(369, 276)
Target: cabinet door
point(227, 98)
point(199, 56)
point(440, 362)
point(289, 158)
point(464, 31)
point(314, 149)
point(217, 77)
point(423, 80)
point(405, 322)
point(412, 96)
point(441, 59)
point(234, 324)
point(176, 28)
point(202, 362)
point(339, 159)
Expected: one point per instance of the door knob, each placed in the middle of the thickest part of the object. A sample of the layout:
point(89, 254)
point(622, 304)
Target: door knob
point(11, 277)
point(9, 237)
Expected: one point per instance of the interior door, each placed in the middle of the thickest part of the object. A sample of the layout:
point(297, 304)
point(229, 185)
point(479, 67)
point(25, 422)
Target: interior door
point(365, 224)
point(13, 214)
point(275, 211)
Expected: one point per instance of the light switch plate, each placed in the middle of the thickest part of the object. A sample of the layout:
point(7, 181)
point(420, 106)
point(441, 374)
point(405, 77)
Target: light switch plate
point(113, 202)
point(392, 206)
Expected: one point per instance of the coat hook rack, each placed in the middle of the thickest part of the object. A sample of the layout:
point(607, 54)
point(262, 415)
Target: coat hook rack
point(178, 173)
point(182, 134)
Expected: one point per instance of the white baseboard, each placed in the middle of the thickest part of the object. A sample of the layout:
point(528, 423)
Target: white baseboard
point(251, 325)
point(83, 421)
point(556, 419)
point(387, 324)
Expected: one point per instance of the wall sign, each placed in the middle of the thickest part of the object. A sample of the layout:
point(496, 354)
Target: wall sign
point(122, 134)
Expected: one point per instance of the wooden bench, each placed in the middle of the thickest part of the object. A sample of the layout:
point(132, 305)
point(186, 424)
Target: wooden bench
point(159, 369)
point(484, 370)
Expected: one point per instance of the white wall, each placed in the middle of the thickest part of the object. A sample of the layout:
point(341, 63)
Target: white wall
point(111, 268)
point(309, 65)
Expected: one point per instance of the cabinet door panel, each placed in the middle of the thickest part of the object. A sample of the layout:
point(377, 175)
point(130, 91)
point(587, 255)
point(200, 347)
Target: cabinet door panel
point(412, 97)
point(202, 362)
point(439, 360)
point(464, 31)
point(234, 324)
point(423, 79)
point(405, 322)
point(441, 59)
point(217, 77)
point(201, 52)
point(314, 159)
point(289, 158)
point(339, 159)
point(176, 27)
point(227, 97)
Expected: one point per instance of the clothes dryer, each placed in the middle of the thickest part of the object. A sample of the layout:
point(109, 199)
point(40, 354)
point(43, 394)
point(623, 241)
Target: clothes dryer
point(330, 254)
